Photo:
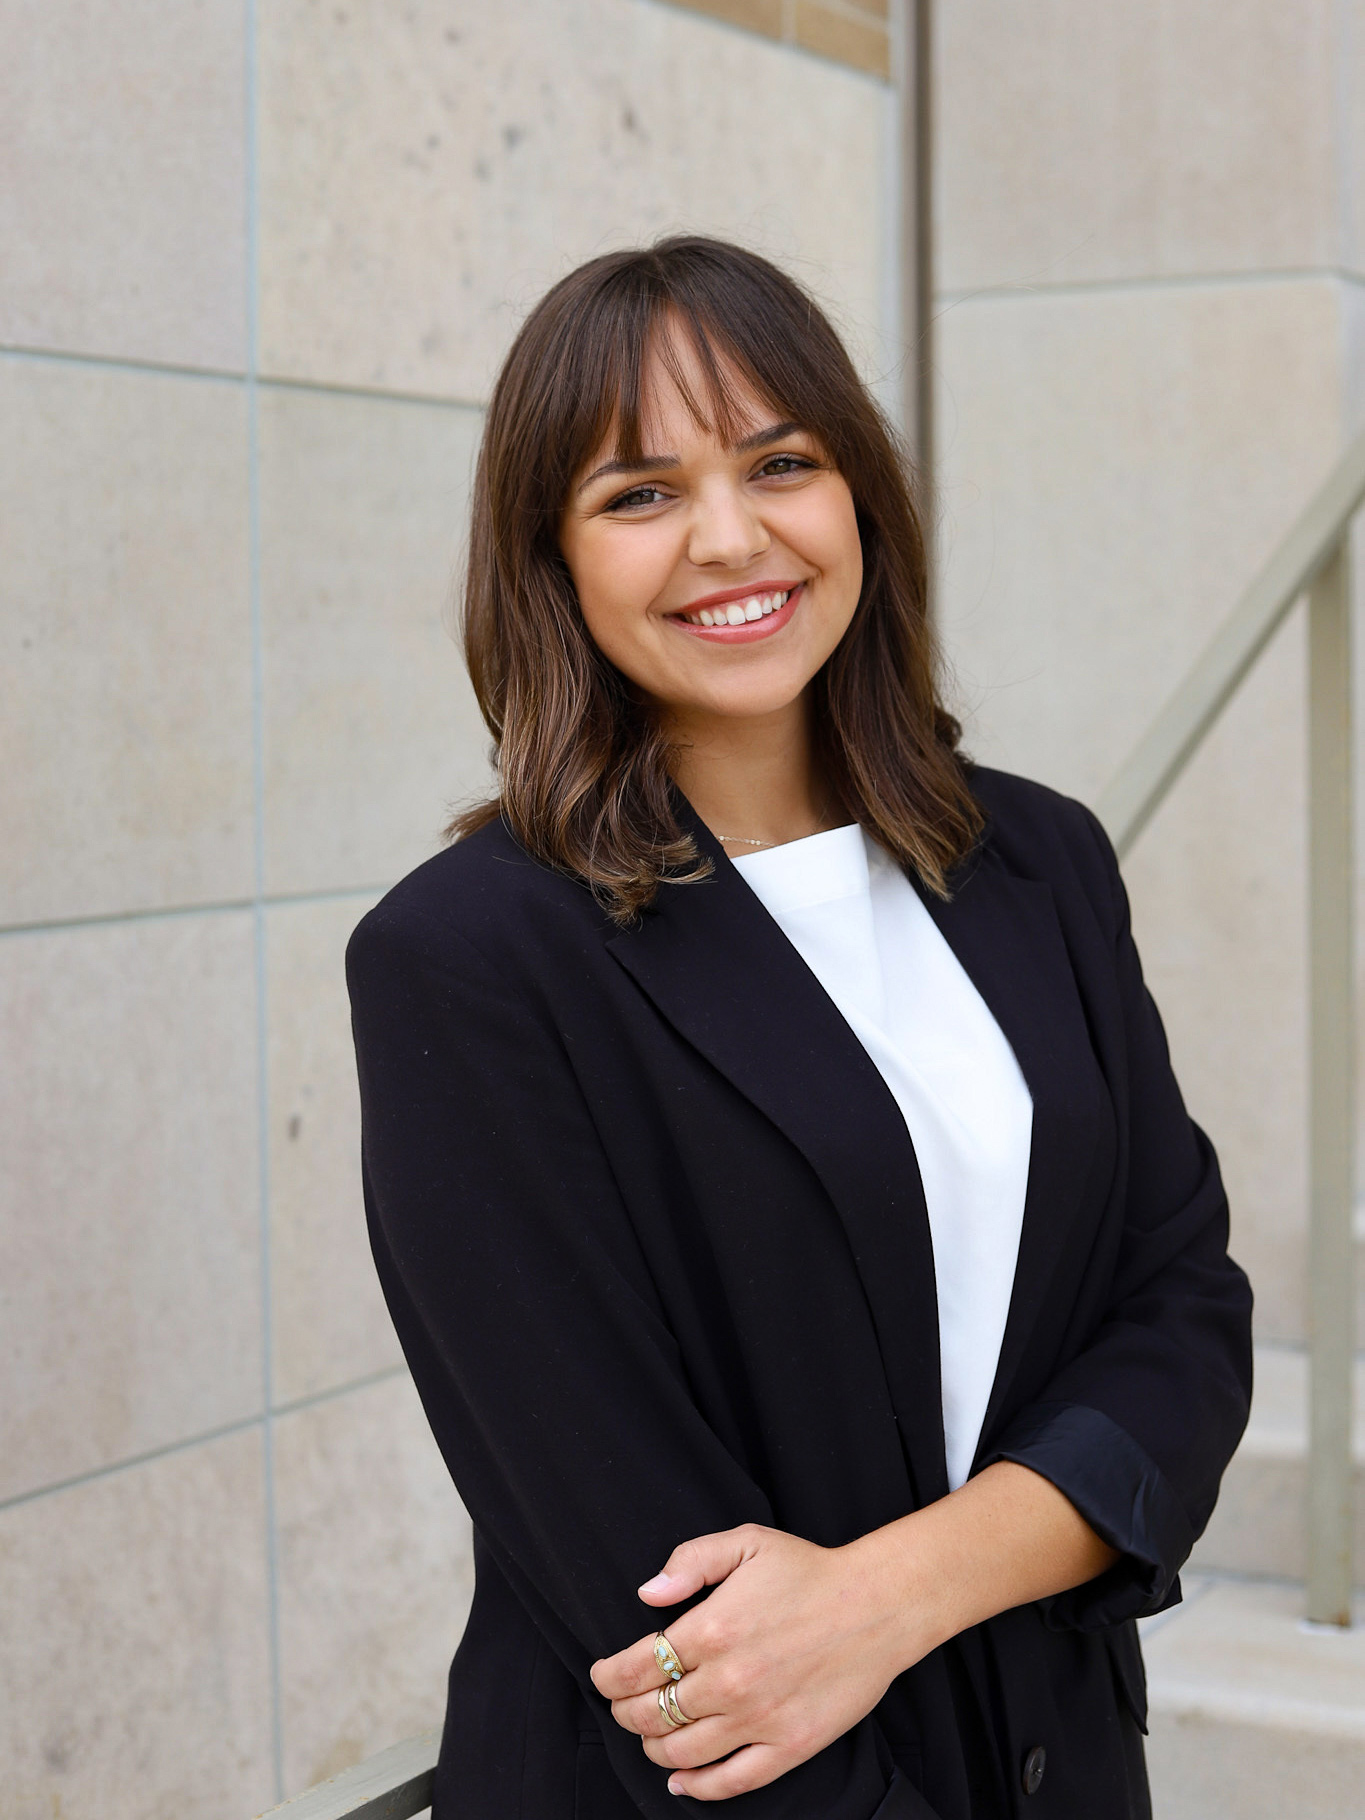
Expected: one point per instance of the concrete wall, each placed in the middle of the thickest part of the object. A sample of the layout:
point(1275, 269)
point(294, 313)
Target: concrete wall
point(260, 264)
point(1150, 257)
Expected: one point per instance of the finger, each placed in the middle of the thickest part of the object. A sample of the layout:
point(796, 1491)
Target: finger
point(692, 1745)
point(753, 1767)
point(703, 1561)
point(630, 1671)
point(640, 1714)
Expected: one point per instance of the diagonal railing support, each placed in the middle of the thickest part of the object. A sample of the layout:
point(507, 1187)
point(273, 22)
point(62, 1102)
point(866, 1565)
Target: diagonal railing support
point(1315, 559)
point(1139, 787)
point(1331, 1023)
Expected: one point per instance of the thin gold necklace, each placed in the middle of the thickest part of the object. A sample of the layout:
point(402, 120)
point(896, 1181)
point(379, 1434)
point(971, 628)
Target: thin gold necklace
point(747, 840)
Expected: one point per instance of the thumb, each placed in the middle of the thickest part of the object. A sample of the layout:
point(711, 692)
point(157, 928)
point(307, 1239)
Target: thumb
point(704, 1561)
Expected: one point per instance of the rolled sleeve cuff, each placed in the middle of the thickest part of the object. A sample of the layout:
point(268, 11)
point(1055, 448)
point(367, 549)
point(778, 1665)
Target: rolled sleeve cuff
point(1123, 1496)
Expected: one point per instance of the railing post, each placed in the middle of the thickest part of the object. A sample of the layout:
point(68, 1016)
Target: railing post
point(1331, 918)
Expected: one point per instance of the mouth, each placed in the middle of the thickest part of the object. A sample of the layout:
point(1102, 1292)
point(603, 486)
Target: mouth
point(740, 618)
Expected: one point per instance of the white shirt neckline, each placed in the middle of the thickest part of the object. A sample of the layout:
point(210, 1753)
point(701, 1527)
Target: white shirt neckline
point(861, 927)
point(816, 869)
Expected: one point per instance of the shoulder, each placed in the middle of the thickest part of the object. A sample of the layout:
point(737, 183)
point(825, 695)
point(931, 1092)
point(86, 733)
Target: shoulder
point(482, 902)
point(1038, 832)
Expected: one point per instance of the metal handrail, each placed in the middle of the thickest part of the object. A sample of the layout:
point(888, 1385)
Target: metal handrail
point(395, 1784)
point(1313, 559)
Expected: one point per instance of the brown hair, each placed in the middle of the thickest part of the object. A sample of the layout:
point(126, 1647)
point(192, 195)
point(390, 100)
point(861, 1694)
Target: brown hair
point(582, 761)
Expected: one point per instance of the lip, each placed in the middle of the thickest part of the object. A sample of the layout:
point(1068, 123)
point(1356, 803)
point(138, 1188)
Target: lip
point(751, 629)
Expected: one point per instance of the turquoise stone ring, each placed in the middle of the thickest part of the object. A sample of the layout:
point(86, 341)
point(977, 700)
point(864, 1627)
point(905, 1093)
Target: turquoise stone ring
point(666, 1657)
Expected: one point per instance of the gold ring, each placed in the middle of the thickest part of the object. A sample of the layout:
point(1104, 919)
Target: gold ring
point(666, 1656)
point(669, 1690)
point(666, 1707)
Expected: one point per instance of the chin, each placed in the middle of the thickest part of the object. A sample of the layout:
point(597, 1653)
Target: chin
point(752, 703)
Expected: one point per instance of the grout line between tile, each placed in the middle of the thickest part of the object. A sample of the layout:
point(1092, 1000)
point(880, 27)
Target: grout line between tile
point(889, 384)
point(162, 369)
point(1012, 292)
point(252, 301)
point(270, 900)
point(445, 401)
point(76, 1479)
point(204, 1438)
point(1344, 166)
point(314, 1397)
point(129, 363)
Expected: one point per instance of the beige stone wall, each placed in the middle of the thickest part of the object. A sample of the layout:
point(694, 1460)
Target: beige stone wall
point(259, 267)
point(1150, 264)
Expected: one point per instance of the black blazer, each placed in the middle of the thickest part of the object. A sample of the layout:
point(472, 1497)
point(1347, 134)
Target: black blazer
point(652, 1233)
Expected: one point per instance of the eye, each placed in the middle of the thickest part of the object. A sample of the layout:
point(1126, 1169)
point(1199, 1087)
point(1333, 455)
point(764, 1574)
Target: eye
point(636, 497)
point(776, 466)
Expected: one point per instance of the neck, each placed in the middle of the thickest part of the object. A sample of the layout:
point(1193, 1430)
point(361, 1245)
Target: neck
point(755, 779)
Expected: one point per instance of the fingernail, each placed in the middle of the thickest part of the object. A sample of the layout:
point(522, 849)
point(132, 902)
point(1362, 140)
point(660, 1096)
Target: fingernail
point(660, 1583)
point(674, 1786)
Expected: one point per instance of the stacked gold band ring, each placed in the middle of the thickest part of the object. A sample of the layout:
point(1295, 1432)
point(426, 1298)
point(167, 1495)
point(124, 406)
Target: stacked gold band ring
point(668, 1705)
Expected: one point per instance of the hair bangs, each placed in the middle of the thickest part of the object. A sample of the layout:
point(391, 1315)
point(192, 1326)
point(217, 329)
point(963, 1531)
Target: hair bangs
point(710, 392)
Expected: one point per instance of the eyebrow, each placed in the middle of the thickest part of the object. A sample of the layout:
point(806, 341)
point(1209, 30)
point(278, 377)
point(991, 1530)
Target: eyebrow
point(651, 464)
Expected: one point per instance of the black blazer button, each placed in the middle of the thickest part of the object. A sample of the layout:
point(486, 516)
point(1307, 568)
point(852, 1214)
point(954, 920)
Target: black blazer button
point(1034, 1765)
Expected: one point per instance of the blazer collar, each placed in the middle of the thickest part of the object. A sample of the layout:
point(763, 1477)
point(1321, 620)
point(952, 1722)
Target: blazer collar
point(715, 964)
point(1005, 931)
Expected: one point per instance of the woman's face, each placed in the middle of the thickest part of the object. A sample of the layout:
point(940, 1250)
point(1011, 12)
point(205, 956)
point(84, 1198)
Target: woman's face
point(717, 578)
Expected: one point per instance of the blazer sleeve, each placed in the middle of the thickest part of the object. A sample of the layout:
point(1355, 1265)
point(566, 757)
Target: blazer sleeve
point(1137, 1429)
point(536, 1338)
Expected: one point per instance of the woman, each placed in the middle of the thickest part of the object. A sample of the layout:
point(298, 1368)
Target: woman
point(772, 1158)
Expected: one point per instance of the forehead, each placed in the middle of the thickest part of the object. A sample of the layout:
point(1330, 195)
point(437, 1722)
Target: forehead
point(682, 395)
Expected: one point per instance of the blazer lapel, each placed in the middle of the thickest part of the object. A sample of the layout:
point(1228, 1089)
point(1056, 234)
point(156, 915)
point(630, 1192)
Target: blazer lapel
point(717, 966)
point(1005, 931)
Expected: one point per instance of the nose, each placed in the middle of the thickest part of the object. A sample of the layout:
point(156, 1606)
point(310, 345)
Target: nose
point(725, 530)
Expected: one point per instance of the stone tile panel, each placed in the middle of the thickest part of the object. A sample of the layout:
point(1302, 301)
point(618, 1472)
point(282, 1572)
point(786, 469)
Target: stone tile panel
point(1179, 137)
point(135, 1674)
point(330, 1322)
point(1114, 470)
point(126, 738)
point(427, 173)
point(371, 729)
point(375, 1577)
point(123, 205)
point(129, 1225)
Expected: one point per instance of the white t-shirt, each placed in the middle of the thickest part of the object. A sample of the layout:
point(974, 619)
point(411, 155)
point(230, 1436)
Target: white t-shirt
point(861, 928)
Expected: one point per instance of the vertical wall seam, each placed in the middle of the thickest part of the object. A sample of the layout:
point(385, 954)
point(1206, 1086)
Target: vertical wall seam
point(890, 381)
point(1343, 45)
point(1344, 221)
point(258, 896)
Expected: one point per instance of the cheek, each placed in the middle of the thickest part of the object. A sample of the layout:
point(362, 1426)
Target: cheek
point(826, 536)
point(615, 579)
point(845, 540)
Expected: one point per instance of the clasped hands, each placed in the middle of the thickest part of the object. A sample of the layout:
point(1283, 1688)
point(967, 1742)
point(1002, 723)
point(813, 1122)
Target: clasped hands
point(796, 1645)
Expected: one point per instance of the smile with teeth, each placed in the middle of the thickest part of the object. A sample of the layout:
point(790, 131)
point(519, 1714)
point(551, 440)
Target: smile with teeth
point(736, 612)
